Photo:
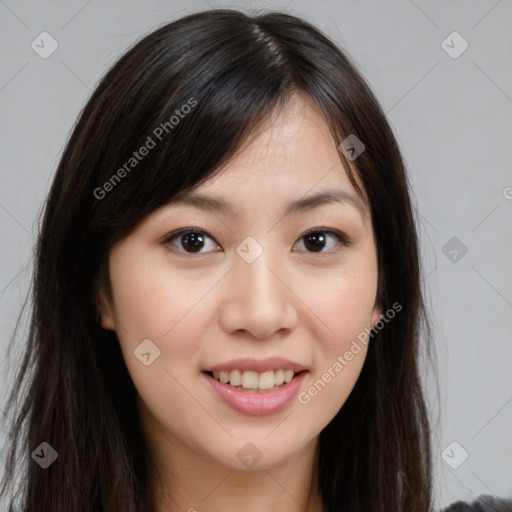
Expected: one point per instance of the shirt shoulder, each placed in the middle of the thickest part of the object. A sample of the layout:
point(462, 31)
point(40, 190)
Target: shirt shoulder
point(484, 503)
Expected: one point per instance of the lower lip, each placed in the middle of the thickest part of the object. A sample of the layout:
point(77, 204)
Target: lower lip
point(256, 403)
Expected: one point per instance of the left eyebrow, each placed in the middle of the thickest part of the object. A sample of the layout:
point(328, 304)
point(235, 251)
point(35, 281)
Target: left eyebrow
point(330, 196)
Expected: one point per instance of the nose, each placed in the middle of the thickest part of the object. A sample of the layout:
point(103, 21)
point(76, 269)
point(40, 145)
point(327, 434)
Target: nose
point(259, 299)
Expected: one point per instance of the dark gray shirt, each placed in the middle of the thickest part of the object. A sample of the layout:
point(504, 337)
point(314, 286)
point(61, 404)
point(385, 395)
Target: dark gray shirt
point(484, 503)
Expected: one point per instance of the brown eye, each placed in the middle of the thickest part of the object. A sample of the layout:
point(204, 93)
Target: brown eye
point(316, 240)
point(194, 240)
point(190, 240)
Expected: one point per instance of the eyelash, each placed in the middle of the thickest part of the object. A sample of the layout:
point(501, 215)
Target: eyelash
point(340, 237)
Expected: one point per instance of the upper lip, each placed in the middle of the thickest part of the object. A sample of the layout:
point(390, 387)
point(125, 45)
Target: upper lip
point(257, 365)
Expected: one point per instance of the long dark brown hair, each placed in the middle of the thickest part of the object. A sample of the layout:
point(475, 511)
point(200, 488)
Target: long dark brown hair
point(375, 455)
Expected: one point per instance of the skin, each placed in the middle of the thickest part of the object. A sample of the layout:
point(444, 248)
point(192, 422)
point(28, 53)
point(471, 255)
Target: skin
point(206, 308)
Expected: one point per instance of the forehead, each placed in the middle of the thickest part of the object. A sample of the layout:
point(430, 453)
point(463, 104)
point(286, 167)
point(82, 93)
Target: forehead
point(292, 158)
point(290, 165)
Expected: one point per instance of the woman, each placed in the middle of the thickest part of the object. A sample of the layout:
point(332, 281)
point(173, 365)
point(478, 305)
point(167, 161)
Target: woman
point(227, 299)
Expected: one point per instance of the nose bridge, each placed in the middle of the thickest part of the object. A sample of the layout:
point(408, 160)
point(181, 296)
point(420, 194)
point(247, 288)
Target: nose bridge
point(260, 301)
point(252, 268)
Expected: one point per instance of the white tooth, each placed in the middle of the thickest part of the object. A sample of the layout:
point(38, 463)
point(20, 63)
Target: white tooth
point(279, 377)
point(250, 380)
point(235, 378)
point(253, 380)
point(288, 375)
point(266, 380)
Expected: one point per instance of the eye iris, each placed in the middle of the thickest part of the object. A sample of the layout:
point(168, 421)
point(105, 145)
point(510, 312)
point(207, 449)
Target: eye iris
point(316, 237)
point(196, 241)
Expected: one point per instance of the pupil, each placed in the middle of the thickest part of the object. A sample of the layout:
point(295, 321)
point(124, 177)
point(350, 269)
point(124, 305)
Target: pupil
point(196, 239)
point(316, 237)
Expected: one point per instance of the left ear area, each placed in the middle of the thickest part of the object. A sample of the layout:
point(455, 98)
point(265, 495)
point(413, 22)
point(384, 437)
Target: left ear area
point(376, 315)
point(105, 316)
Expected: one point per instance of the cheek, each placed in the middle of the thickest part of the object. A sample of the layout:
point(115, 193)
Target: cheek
point(340, 348)
point(348, 310)
point(150, 300)
point(153, 303)
point(342, 301)
point(173, 309)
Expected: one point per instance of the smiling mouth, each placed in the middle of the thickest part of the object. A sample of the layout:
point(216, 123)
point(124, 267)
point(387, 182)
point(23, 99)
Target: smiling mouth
point(255, 382)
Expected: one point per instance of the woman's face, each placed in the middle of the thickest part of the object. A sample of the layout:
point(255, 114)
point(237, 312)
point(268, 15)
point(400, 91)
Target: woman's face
point(250, 294)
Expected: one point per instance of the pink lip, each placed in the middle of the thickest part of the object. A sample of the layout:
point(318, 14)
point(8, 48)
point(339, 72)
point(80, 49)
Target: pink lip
point(272, 363)
point(268, 402)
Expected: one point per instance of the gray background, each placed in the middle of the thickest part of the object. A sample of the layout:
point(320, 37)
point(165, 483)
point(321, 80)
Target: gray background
point(452, 118)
